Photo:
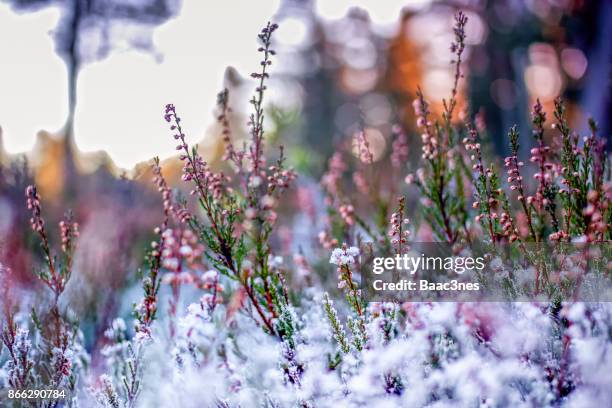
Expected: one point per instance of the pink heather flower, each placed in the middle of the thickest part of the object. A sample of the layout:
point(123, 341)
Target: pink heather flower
point(194, 167)
point(181, 249)
point(33, 203)
point(61, 361)
point(399, 234)
point(280, 178)
point(230, 154)
point(271, 217)
point(250, 213)
point(181, 278)
point(268, 202)
point(365, 154)
point(558, 236)
point(430, 142)
point(331, 179)
point(399, 148)
point(589, 210)
point(326, 240)
point(539, 155)
point(347, 212)
point(69, 230)
point(361, 182)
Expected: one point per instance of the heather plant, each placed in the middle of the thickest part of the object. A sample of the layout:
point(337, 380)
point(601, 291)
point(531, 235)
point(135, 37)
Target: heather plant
point(46, 351)
point(239, 220)
point(225, 319)
point(454, 164)
point(549, 211)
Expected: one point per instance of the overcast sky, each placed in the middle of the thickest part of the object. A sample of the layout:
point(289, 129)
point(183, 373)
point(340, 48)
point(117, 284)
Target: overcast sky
point(121, 98)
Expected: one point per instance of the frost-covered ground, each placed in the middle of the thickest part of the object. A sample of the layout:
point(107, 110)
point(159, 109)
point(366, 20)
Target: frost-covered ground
point(416, 355)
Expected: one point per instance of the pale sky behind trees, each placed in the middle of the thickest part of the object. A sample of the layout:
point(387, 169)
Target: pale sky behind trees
point(121, 98)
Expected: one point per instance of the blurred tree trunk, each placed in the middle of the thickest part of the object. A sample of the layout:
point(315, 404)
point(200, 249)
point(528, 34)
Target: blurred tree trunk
point(596, 96)
point(72, 61)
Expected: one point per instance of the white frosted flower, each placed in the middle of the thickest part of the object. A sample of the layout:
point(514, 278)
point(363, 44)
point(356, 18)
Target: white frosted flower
point(344, 256)
point(353, 251)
